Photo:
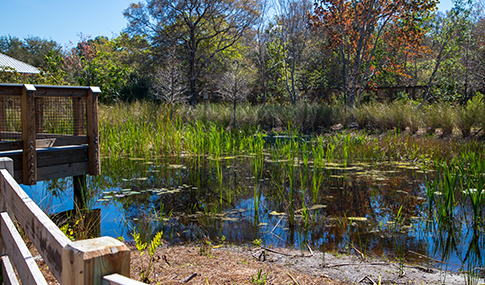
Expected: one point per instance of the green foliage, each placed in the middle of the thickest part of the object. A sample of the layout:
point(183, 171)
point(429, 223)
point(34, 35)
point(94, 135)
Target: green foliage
point(141, 246)
point(259, 279)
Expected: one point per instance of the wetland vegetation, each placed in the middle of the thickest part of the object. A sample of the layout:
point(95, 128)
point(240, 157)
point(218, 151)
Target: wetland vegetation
point(413, 197)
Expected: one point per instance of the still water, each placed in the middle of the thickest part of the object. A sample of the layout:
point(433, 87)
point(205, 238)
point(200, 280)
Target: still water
point(377, 207)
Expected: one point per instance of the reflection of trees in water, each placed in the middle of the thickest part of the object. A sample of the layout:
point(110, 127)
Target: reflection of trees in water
point(198, 211)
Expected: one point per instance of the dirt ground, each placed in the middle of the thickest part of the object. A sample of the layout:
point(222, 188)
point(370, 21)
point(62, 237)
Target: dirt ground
point(239, 264)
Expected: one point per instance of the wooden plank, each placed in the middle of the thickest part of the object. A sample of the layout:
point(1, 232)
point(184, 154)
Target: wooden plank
point(62, 170)
point(27, 269)
point(53, 163)
point(92, 130)
point(8, 274)
point(61, 91)
point(11, 89)
point(5, 145)
point(53, 142)
point(44, 234)
point(29, 157)
point(116, 279)
point(6, 163)
point(61, 155)
point(10, 135)
point(87, 261)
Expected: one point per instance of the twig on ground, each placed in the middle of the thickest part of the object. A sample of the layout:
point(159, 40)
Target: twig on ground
point(358, 251)
point(285, 254)
point(165, 259)
point(292, 278)
point(432, 259)
point(367, 277)
point(189, 278)
point(355, 264)
point(310, 249)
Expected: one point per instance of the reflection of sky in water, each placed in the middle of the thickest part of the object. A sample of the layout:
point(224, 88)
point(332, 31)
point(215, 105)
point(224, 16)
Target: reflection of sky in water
point(375, 200)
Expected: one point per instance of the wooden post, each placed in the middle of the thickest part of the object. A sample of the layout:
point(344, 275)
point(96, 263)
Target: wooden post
point(79, 189)
point(29, 156)
point(87, 261)
point(92, 127)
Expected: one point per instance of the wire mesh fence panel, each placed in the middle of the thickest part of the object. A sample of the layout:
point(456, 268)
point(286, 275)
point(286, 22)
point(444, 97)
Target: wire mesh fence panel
point(10, 118)
point(62, 116)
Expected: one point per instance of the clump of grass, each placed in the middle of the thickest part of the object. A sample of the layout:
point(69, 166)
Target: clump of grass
point(469, 115)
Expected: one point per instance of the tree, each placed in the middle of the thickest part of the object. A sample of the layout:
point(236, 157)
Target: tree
point(193, 24)
point(100, 62)
point(357, 30)
point(168, 83)
point(448, 33)
point(234, 85)
point(31, 50)
point(293, 35)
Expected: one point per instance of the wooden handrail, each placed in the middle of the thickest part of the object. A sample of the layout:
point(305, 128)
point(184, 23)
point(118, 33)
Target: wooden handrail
point(33, 104)
point(77, 262)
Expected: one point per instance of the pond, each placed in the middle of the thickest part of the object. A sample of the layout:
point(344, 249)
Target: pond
point(376, 207)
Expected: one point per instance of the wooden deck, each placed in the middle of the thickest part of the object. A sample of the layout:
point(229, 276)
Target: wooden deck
point(49, 131)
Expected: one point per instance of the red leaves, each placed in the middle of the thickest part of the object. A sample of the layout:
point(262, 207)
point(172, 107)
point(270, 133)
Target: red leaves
point(360, 28)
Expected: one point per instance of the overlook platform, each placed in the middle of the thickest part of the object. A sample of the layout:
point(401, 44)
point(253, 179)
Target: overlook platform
point(49, 131)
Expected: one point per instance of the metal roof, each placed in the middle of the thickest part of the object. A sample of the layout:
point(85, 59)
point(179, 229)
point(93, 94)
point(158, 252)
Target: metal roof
point(21, 67)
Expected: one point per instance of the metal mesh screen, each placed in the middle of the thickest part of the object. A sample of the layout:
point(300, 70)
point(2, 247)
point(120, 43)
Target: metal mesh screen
point(62, 116)
point(10, 118)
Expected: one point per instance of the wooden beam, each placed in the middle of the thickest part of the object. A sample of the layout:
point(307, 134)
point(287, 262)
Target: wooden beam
point(27, 269)
point(11, 89)
point(87, 261)
point(44, 234)
point(29, 157)
point(66, 141)
point(8, 274)
point(61, 91)
point(92, 128)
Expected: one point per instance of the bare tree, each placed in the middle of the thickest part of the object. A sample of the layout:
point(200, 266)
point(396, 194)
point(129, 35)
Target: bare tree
point(201, 28)
point(169, 79)
point(234, 85)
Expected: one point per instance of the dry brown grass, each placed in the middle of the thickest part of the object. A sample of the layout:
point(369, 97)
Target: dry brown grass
point(226, 265)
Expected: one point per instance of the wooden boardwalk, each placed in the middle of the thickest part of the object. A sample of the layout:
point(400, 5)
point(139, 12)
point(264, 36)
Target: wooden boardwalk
point(49, 132)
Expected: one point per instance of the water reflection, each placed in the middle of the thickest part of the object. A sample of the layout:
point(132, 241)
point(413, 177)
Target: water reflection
point(336, 206)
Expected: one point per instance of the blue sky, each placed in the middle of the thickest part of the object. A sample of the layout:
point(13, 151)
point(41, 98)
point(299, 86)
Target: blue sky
point(63, 20)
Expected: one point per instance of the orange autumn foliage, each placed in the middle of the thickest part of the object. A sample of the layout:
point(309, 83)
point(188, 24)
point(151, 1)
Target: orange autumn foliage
point(372, 36)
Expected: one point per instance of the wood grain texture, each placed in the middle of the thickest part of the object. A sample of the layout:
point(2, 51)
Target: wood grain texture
point(29, 157)
point(9, 277)
point(92, 130)
point(44, 234)
point(87, 261)
point(27, 269)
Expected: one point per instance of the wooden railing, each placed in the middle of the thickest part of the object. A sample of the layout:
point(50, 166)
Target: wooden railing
point(38, 120)
point(103, 260)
